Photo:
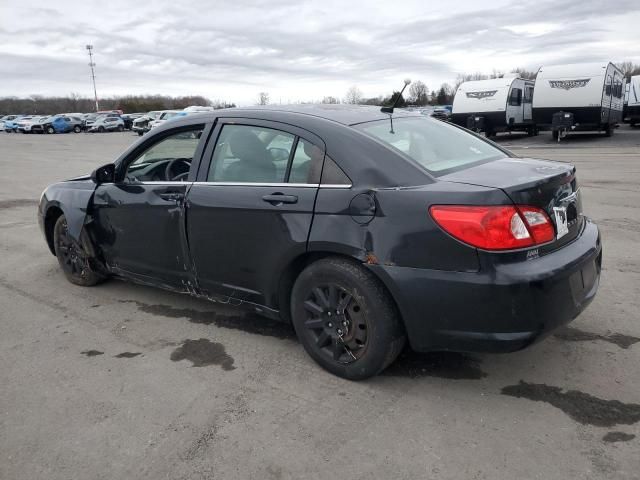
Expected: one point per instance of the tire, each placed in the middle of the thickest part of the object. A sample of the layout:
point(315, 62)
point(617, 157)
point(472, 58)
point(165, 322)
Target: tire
point(101, 129)
point(73, 258)
point(120, 128)
point(77, 129)
point(51, 130)
point(608, 131)
point(364, 335)
point(555, 134)
point(140, 133)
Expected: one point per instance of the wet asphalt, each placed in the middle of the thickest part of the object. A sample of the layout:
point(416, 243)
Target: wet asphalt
point(124, 381)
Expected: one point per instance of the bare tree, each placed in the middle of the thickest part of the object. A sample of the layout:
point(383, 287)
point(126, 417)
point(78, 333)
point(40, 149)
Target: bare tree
point(524, 73)
point(330, 100)
point(418, 93)
point(263, 98)
point(629, 69)
point(353, 96)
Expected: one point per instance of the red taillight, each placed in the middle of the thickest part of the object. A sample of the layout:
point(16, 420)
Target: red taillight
point(495, 227)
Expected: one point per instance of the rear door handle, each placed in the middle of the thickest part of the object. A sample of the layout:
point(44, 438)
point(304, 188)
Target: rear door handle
point(172, 196)
point(280, 198)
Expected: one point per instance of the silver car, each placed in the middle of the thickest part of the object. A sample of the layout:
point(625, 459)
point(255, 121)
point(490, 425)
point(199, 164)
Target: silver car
point(107, 123)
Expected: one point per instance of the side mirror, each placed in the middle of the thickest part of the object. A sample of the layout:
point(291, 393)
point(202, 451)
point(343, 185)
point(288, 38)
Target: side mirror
point(104, 174)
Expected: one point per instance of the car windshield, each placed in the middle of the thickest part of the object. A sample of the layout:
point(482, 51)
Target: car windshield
point(439, 147)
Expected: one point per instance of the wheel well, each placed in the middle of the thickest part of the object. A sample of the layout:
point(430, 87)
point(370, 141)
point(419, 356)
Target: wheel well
point(289, 276)
point(53, 213)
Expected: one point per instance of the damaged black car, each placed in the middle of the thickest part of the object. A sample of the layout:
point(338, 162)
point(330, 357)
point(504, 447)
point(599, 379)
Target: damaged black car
point(365, 229)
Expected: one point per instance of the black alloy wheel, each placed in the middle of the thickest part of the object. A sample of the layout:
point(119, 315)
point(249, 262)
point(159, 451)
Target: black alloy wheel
point(73, 257)
point(336, 322)
point(345, 318)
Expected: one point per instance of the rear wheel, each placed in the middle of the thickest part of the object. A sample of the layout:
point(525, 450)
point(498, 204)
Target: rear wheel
point(608, 131)
point(101, 129)
point(120, 128)
point(50, 130)
point(345, 319)
point(73, 257)
point(555, 134)
point(77, 129)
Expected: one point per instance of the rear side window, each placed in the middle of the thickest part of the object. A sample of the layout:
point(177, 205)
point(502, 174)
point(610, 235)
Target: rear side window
point(251, 154)
point(307, 163)
point(332, 174)
point(437, 146)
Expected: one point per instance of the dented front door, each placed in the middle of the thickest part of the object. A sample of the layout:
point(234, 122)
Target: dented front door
point(140, 227)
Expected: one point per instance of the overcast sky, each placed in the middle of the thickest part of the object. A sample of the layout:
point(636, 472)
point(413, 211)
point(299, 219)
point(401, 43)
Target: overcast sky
point(297, 49)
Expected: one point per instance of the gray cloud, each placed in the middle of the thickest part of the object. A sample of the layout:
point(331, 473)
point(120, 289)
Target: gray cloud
point(302, 50)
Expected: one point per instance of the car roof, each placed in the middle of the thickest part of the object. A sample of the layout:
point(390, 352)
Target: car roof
point(344, 114)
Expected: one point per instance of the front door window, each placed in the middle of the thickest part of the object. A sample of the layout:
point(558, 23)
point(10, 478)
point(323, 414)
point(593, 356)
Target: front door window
point(167, 160)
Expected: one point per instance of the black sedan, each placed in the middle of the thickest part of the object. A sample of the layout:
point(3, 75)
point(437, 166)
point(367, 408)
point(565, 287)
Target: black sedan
point(362, 229)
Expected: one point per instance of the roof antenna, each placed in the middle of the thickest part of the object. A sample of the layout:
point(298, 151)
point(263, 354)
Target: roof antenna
point(389, 110)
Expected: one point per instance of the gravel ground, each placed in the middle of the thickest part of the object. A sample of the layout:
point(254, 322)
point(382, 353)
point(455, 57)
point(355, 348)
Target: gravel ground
point(123, 381)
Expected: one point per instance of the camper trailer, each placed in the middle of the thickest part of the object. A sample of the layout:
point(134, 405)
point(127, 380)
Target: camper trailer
point(633, 101)
point(496, 105)
point(578, 97)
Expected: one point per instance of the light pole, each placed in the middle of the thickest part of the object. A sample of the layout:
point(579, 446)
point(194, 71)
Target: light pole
point(93, 75)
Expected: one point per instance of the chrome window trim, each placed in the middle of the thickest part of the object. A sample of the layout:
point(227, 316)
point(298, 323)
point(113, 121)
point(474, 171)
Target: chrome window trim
point(244, 184)
point(261, 184)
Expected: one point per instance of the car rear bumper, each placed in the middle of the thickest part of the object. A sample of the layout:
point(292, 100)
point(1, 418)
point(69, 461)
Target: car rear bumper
point(501, 310)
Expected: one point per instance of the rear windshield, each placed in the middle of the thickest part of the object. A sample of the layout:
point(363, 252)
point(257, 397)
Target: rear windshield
point(437, 146)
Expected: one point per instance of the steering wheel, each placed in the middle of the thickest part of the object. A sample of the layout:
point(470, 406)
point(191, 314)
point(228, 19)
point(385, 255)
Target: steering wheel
point(168, 174)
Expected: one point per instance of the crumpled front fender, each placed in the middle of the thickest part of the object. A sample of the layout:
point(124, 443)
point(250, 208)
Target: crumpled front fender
point(74, 198)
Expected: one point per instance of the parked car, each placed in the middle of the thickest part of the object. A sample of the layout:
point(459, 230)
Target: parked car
point(128, 119)
point(25, 123)
point(141, 125)
point(58, 124)
point(166, 115)
point(89, 119)
point(11, 126)
point(360, 234)
point(8, 119)
point(107, 123)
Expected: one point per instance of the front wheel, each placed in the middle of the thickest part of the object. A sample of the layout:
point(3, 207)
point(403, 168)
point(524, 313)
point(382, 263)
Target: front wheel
point(345, 319)
point(73, 256)
point(77, 129)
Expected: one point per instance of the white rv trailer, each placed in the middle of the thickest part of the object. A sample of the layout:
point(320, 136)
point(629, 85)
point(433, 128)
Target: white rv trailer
point(578, 97)
point(633, 101)
point(495, 105)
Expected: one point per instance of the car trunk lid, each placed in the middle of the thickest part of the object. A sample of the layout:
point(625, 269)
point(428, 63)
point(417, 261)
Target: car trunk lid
point(551, 186)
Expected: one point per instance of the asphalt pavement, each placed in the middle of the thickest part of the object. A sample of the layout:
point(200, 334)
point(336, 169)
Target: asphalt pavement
point(121, 381)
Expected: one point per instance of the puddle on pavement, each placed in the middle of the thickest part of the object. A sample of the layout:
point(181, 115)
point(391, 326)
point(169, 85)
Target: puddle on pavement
point(455, 366)
point(575, 335)
point(203, 352)
point(581, 407)
point(92, 353)
point(128, 354)
point(613, 437)
point(250, 323)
